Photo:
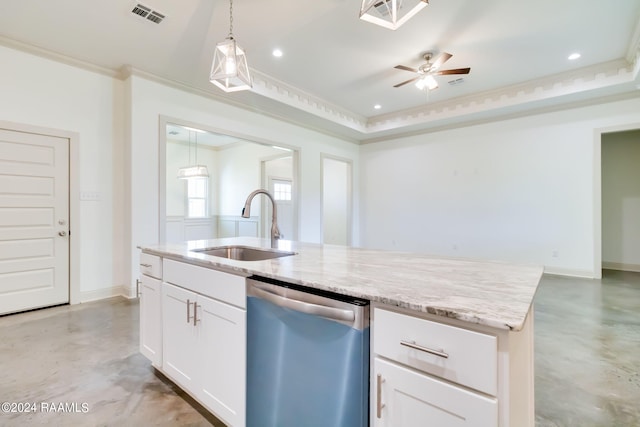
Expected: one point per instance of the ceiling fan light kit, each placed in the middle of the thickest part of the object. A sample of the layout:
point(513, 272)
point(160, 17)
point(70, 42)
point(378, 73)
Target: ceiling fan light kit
point(391, 14)
point(229, 70)
point(427, 82)
point(424, 73)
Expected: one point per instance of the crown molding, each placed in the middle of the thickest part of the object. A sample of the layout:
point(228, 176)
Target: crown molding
point(127, 70)
point(292, 96)
point(633, 52)
point(552, 88)
point(57, 57)
point(292, 105)
point(505, 115)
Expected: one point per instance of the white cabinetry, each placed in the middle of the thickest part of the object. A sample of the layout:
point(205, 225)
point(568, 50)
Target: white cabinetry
point(425, 372)
point(204, 337)
point(150, 308)
point(413, 399)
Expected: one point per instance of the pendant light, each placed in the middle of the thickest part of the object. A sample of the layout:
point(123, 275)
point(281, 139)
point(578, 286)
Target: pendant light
point(195, 171)
point(229, 70)
point(390, 13)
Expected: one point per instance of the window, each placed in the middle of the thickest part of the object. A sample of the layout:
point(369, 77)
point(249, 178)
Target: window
point(282, 191)
point(197, 197)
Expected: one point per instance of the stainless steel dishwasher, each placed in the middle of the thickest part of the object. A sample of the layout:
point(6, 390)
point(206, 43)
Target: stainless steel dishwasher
point(307, 357)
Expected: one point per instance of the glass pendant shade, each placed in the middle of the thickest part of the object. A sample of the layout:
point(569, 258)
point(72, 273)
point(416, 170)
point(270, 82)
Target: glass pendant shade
point(390, 13)
point(229, 70)
point(190, 172)
point(427, 82)
point(193, 171)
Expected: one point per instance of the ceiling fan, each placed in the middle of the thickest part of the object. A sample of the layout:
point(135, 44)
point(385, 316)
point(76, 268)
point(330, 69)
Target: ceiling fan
point(426, 71)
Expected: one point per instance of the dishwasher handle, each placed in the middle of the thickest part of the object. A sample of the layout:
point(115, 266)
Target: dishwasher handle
point(305, 307)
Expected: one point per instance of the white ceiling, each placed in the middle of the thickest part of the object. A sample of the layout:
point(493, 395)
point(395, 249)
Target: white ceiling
point(336, 67)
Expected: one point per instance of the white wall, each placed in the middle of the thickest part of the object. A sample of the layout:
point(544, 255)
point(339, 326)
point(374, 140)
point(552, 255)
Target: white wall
point(45, 93)
point(621, 200)
point(149, 100)
point(520, 190)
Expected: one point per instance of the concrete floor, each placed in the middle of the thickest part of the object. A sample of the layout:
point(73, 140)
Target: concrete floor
point(86, 358)
point(587, 351)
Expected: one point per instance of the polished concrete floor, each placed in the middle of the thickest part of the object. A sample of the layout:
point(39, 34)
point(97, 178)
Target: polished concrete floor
point(587, 351)
point(86, 358)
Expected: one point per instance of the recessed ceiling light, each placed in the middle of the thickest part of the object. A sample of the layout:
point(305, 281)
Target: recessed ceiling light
point(277, 53)
point(377, 106)
point(574, 56)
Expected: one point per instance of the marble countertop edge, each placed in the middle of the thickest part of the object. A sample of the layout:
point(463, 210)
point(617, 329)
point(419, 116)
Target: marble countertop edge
point(490, 293)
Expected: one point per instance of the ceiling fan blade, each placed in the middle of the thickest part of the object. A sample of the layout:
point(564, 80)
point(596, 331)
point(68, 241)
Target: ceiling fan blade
point(404, 67)
point(407, 82)
point(441, 59)
point(453, 71)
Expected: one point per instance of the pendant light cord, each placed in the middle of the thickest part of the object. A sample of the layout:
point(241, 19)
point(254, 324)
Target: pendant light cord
point(230, 19)
point(189, 146)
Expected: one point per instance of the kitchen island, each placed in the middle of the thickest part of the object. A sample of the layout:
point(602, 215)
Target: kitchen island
point(477, 314)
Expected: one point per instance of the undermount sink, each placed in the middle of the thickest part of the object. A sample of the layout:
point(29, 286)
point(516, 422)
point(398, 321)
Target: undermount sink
point(244, 253)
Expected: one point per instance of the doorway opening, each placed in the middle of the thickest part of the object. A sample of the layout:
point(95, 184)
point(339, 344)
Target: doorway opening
point(337, 193)
point(236, 166)
point(620, 200)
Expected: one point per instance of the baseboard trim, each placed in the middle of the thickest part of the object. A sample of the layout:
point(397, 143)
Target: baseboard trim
point(559, 271)
point(98, 294)
point(621, 266)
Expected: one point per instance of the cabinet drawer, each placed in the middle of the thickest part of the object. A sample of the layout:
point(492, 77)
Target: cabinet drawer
point(151, 265)
point(409, 398)
point(466, 357)
point(212, 283)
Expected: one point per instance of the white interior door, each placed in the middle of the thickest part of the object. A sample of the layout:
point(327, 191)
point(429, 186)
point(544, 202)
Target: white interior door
point(34, 221)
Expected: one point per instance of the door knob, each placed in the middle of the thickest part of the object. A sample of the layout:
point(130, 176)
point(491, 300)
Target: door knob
point(62, 233)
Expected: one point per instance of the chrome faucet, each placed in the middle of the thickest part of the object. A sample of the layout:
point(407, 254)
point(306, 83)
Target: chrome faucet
point(246, 213)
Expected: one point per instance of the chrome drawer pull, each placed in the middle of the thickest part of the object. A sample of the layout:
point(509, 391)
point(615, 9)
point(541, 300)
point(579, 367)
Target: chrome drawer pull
point(146, 265)
point(189, 311)
point(195, 313)
point(415, 346)
point(379, 404)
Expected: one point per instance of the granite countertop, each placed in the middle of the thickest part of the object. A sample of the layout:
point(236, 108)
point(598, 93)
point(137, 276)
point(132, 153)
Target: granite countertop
point(488, 293)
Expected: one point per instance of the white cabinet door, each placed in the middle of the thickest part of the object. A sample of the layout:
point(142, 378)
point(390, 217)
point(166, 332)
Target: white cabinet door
point(222, 351)
point(410, 399)
point(151, 319)
point(180, 337)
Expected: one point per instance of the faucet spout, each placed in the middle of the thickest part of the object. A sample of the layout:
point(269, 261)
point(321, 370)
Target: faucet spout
point(246, 213)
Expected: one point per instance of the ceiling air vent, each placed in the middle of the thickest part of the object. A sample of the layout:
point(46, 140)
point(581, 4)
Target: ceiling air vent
point(148, 13)
point(457, 81)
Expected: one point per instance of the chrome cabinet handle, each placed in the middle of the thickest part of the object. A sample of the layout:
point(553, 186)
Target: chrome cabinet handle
point(138, 288)
point(189, 310)
point(379, 404)
point(195, 313)
point(415, 346)
point(62, 233)
point(146, 265)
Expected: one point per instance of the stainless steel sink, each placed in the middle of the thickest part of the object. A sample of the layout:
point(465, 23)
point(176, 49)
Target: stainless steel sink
point(244, 253)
